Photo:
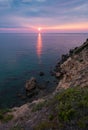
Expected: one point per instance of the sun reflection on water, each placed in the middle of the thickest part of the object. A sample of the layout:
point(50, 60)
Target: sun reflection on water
point(39, 46)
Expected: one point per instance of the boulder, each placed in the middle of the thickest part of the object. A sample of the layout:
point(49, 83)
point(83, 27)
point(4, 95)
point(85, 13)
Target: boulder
point(87, 40)
point(31, 84)
point(64, 58)
point(59, 75)
point(31, 87)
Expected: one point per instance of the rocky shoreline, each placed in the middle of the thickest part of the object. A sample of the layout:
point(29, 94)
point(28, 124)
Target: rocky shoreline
point(71, 72)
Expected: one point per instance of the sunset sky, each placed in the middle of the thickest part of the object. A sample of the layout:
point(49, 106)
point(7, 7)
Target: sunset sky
point(49, 15)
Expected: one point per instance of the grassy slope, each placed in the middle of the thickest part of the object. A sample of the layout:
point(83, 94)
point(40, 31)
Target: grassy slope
point(68, 110)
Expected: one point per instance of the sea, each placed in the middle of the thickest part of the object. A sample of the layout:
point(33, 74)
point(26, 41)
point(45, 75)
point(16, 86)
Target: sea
point(25, 55)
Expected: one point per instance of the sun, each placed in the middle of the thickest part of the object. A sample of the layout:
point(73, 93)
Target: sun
point(39, 29)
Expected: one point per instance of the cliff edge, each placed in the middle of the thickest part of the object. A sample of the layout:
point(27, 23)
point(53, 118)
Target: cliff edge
point(75, 68)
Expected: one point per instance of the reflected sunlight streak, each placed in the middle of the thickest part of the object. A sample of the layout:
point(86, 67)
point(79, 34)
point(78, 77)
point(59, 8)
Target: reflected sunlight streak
point(39, 46)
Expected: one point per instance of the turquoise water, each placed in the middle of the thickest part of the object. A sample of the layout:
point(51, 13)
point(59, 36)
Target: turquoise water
point(23, 56)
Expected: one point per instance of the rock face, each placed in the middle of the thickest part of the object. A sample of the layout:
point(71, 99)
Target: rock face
point(75, 69)
point(31, 87)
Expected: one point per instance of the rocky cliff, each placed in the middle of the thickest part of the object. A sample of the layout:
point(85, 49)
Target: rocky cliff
point(75, 68)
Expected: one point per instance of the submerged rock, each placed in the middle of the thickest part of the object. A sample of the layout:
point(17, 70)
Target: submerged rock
point(41, 73)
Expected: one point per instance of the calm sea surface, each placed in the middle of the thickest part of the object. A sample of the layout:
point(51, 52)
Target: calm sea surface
point(23, 56)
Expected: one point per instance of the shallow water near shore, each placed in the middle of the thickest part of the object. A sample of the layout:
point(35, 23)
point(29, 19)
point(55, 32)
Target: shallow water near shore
point(23, 56)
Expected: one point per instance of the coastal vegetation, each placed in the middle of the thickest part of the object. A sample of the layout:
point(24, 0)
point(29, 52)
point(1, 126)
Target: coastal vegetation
point(67, 110)
point(17, 128)
point(5, 116)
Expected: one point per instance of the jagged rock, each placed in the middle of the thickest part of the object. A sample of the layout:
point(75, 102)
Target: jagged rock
point(87, 40)
point(58, 74)
point(30, 84)
point(31, 87)
point(71, 51)
point(75, 69)
point(64, 57)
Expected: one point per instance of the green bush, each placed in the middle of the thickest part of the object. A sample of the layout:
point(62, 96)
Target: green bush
point(68, 108)
point(38, 106)
point(48, 125)
point(7, 118)
point(83, 122)
point(17, 128)
point(51, 117)
point(67, 115)
point(4, 117)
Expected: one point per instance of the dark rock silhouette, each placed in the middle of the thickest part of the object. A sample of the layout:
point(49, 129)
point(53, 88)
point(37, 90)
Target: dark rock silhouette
point(31, 87)
point(41, 73)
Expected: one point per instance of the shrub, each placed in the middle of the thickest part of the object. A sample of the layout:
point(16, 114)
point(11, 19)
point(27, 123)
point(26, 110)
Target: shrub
point(7, 118)
point(67, 109)
point(51, 117)
point(38, 106)
point(17, 128)
point(83, 122)
point(4, 117)
point(43, 126)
